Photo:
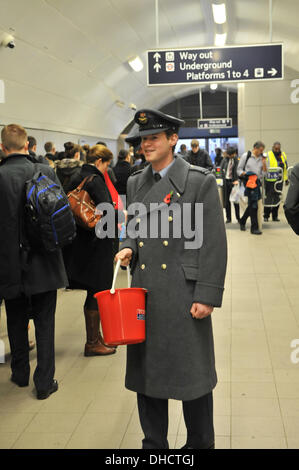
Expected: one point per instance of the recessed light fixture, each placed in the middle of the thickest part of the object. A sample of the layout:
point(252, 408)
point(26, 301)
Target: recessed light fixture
point(220, 39)
point(219, 13)
point(136, 63)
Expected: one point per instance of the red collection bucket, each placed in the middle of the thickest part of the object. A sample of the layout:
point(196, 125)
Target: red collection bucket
point(122, 313)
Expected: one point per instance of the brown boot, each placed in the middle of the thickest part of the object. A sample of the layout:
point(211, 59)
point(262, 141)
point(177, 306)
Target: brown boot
point(101, 339)
point(94, 346)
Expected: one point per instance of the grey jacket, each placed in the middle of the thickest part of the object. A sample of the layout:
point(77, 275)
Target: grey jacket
point(255, 165)
point(177, 359)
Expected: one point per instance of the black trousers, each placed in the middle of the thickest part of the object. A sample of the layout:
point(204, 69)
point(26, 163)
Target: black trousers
point(269, 210)
point(198, 415)
point(42, 310)
point(252, 213)
point(272, 197)
point(228, 189)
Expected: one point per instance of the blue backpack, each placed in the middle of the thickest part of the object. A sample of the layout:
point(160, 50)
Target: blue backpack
point(48, 219)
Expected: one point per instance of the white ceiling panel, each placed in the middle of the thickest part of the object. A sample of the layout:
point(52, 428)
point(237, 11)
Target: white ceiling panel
point(101, 22)
point(105, 67)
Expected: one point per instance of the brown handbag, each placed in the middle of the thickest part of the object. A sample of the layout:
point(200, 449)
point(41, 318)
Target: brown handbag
point(83, 207)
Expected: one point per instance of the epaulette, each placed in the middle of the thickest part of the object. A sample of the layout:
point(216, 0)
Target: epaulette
point(137, 172)
point(202, 170)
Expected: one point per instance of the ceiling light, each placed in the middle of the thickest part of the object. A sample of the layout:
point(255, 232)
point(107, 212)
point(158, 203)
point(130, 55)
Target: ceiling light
point(136, 64)
point(219, 13)
point(214, 86)
point(220, 39)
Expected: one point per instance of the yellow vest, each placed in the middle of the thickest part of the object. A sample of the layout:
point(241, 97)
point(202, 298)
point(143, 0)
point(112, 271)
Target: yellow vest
point(272, 163)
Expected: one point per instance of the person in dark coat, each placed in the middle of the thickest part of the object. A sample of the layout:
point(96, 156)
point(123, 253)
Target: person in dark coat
point(252, 163)
point(29, 279)
point(139, 159)
point(32, 145)
point(199, 157)
point(89, 262)
point(69, 167)
point(51, 154)
point(228, 168)
point(275, 159)
point(184, 283)
point(122, 171)
point(218, 158)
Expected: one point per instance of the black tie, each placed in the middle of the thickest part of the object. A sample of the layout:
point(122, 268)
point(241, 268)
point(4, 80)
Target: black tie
point(157, 177)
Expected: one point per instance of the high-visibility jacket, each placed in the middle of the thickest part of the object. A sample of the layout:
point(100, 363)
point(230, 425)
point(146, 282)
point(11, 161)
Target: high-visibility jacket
point(272, 163)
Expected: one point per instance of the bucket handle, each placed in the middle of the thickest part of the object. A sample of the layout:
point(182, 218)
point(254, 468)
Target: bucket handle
point(112, 290)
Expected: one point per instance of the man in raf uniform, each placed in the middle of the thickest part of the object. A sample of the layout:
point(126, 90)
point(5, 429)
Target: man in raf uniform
point(184, 284)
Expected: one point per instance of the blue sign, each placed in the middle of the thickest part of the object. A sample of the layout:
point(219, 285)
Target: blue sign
point(215, 64)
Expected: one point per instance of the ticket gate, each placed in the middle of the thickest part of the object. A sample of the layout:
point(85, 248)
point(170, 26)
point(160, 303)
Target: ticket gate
point(272, 187)
point(219, 180)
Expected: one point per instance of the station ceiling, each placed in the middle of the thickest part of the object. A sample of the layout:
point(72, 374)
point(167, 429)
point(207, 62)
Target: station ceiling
point(76, 52)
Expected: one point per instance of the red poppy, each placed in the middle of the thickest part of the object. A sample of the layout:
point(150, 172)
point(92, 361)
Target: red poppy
point(168, 197)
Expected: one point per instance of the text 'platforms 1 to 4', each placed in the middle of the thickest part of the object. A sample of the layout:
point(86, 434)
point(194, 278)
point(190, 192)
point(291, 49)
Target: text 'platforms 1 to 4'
point(235, 63)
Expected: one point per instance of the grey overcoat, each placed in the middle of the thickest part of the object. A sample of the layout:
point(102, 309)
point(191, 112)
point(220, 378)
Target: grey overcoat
point(177, 359)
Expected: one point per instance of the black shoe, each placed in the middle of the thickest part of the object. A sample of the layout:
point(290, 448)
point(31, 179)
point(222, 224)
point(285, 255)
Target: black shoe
point(228, 221)
point(256, 232)
point(276, 220)
point(242, 227)
point(43, 394)
point(20, 383)
point(266, 219)
point(186, 446)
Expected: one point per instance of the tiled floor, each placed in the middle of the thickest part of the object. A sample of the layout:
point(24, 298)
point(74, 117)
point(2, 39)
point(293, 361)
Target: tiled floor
point(256, 401)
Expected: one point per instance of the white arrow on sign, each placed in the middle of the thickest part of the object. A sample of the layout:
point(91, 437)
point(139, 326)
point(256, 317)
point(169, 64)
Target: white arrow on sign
point(157, 56)
point(157, 67)
point(272, 72)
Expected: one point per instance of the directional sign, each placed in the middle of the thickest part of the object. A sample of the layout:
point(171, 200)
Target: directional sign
point(217, 123)
point(214, 64)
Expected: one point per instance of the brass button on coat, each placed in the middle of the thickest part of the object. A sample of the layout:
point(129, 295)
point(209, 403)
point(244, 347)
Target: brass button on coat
point(138, 220)
point(141, 244)
point(163, 266)
point(165, 243)
point(142, 266)
point(170, 218)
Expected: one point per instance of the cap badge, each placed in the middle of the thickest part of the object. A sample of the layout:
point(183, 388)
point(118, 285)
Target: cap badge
point(142, 119)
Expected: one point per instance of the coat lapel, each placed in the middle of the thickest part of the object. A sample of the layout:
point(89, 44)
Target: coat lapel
point(149, 192)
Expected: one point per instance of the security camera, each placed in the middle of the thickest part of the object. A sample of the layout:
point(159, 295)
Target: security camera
point(8, 41)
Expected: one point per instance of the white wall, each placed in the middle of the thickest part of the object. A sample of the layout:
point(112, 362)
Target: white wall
point(59, 138)
point(266, 112)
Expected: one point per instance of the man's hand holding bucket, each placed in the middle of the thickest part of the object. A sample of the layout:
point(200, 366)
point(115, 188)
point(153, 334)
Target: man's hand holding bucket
point(124, 256)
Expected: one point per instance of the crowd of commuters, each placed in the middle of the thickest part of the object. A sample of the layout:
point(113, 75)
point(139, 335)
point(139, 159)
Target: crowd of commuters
point(248, 172)
point(29, 278)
